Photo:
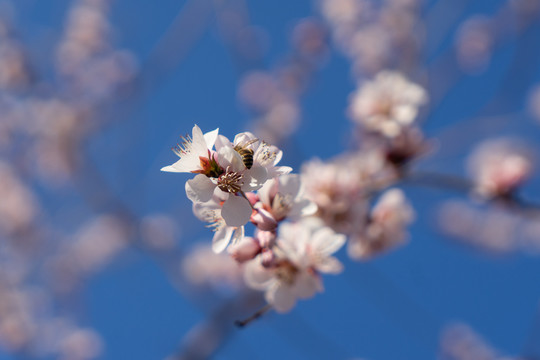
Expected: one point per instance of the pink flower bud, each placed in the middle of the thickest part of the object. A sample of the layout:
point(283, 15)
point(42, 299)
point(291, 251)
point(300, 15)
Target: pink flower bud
point(268, 258)
point(266, 238)
point(252, 197)
point(263, 220)
point(245, 250)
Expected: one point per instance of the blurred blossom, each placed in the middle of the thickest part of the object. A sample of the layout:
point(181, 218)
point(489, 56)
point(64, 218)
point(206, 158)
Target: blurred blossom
point(345, 12)
point(534, 102)
point(259, 90)
point(499, 166)
point(14, 68)
point(408, 145)
point(81, 344)
point(91, 67)
point(303, 252)
point(387, 105)
point(374, 35)
point(16, 324)
point(370, 49)
point(21, 311)
point(98, 242)
point(339, 187)
point(56, 127)
point(474, 43)
point(385, 227)
point(92, 247)
point(203, 267)
point(159, 231)
point(271, 97)
point(309, 39)
point(493, 230)
point(460, 342)
point(525, 10)
point(18, 207)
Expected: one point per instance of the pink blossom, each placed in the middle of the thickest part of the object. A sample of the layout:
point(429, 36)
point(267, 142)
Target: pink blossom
point(385, 227)
point(283, 197)
point(499, 166)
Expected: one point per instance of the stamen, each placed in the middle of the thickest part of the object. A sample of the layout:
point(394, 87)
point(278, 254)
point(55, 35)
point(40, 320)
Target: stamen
point(215, 222)
point(185, 147)
point(286, 272)
point(281, 205)
point(267, 155)
point(230, 182)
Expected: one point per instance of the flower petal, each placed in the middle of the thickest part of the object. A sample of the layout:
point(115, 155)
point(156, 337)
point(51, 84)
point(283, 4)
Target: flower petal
point(221, 239)
point(290, 184)
point(198, 147)
point(210, 138)
point(305, 285)
point(281, 297)
point(329, 265)
point(256, 276)
point(325, 241)
point(200, 188)
point(236, 211)
point(254, 178)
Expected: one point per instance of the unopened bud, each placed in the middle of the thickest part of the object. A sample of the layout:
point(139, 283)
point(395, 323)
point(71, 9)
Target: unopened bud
point(245, 250)
point(264, 220)
point(253, 198)
point(268, 259)
point(266, 238)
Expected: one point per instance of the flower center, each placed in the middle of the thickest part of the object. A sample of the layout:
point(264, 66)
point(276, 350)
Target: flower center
point(267, 156)
point(230, 182)
point(281, 205)
point(286, 272)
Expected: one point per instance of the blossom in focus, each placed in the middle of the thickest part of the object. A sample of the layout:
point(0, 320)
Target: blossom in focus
point(244, 166)
point(499, 166)
point(385, 226)
point(303, 251)
point(195, 153)
point(211, 212)
point(387, 104)
point(256, 159)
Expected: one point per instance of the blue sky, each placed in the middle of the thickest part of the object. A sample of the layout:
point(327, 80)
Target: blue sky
point(393, 307)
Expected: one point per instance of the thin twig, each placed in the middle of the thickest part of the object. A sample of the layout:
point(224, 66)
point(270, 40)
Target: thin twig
point(255, 316)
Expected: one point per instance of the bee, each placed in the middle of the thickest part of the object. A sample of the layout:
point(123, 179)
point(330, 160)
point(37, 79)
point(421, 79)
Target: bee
point(245, 153)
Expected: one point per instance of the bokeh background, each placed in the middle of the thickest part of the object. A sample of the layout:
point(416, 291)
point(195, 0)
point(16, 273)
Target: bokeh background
point(100, 253)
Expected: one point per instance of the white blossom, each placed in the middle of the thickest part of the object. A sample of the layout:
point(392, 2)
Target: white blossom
point(193, 151)
point(244, 166)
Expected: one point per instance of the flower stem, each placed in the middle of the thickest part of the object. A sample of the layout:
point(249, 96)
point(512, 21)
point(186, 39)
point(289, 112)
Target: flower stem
point(255, 316)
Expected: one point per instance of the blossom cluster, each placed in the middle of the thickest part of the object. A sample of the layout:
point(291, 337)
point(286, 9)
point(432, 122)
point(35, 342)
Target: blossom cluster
point(240, 182)
point(300, 220)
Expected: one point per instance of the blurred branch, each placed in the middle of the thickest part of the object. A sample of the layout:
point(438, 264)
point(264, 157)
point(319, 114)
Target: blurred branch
point(462, 185)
